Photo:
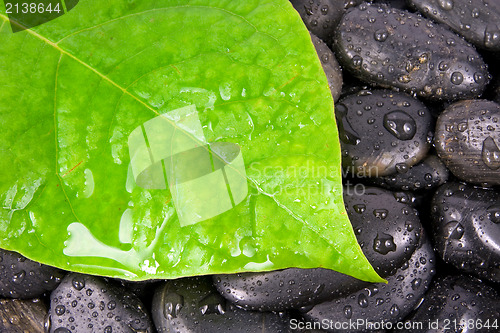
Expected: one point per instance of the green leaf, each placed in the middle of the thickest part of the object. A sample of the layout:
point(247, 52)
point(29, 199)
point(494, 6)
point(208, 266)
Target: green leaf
point(229, 81)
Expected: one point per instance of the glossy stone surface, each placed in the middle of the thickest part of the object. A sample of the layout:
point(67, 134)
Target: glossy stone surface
point(192, 305)
point(387, 229)
point(478, 21)
point(285, 289)
point(382, 132)
point(85, 303)
point(320, 16)
point(330, 66)
point(429, 173)
point(389, 302)
point(457, 303)
point(468, 140)
point(391, 47)
point(466, 228)
point(24, 278)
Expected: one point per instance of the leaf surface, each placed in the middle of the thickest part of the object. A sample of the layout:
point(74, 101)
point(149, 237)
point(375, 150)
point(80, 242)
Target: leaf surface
point(73, 91)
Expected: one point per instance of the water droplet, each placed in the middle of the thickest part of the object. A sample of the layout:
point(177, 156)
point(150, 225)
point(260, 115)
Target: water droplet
point(494, 213)
point(174, 304)
point(453, 230)
point(478, 78)
point(380, 213)
point(491, 35)
point(416, 283)
point(348, 311)
point(108, 329)
point(457, 78)
point(362, 300)
point(346, 133)
point(384, 243)
point(111, 305)
point(357, 61)
point(400, 124)
point(475, 13)
point(213, 303)
point(446, 4)
point(360, 208)
point(462, 127)
point(324, 10)
point(491, 154)
point(394, 311)
point(401, 168)
point(19, 277)
point(404, 78)
point(381, 35)
point(78, 283)
point(60, 310)
point(443, 66)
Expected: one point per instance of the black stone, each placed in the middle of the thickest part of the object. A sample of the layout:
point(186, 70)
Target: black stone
point(24, 278)
point(285, 289)
point(429, 173)
point(457, 304)
point(194, 305)
point(85, 303)
point(478, 21)
point(381, 302)
point(466, 228)
point(387, 229)
point(330, 65)
point(382, 132)
point(391, 47)
point(321, 17)
point(468, 140)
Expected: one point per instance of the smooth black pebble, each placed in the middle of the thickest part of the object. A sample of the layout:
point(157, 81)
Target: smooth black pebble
point(330, 65)
point(85, 303)
point(194, 305)
point(466, 228)
point(456, 303)
point(429, 173)
point(285, 289)
point(478, 21)
point(468, 140)
point(21, 316)
point(24, 278)
point(320, 16)
point(382, 132)
point(379, 302)
point(387, 229)
point(391, 47)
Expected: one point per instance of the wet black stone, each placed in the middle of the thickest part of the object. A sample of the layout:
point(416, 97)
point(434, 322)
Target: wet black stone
point(391, 47)
point(21, 316)
point(85, 303)
point(468, 141)
point(429, 173)
point(285, 289)
point(379, 302)
point(466, 228)
point(387, 229)
point(320, 16)
point(330, 66)
point(24, 278)
point(194, 305)
point(478, 21)
point(463, 300)
point(382, 132)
